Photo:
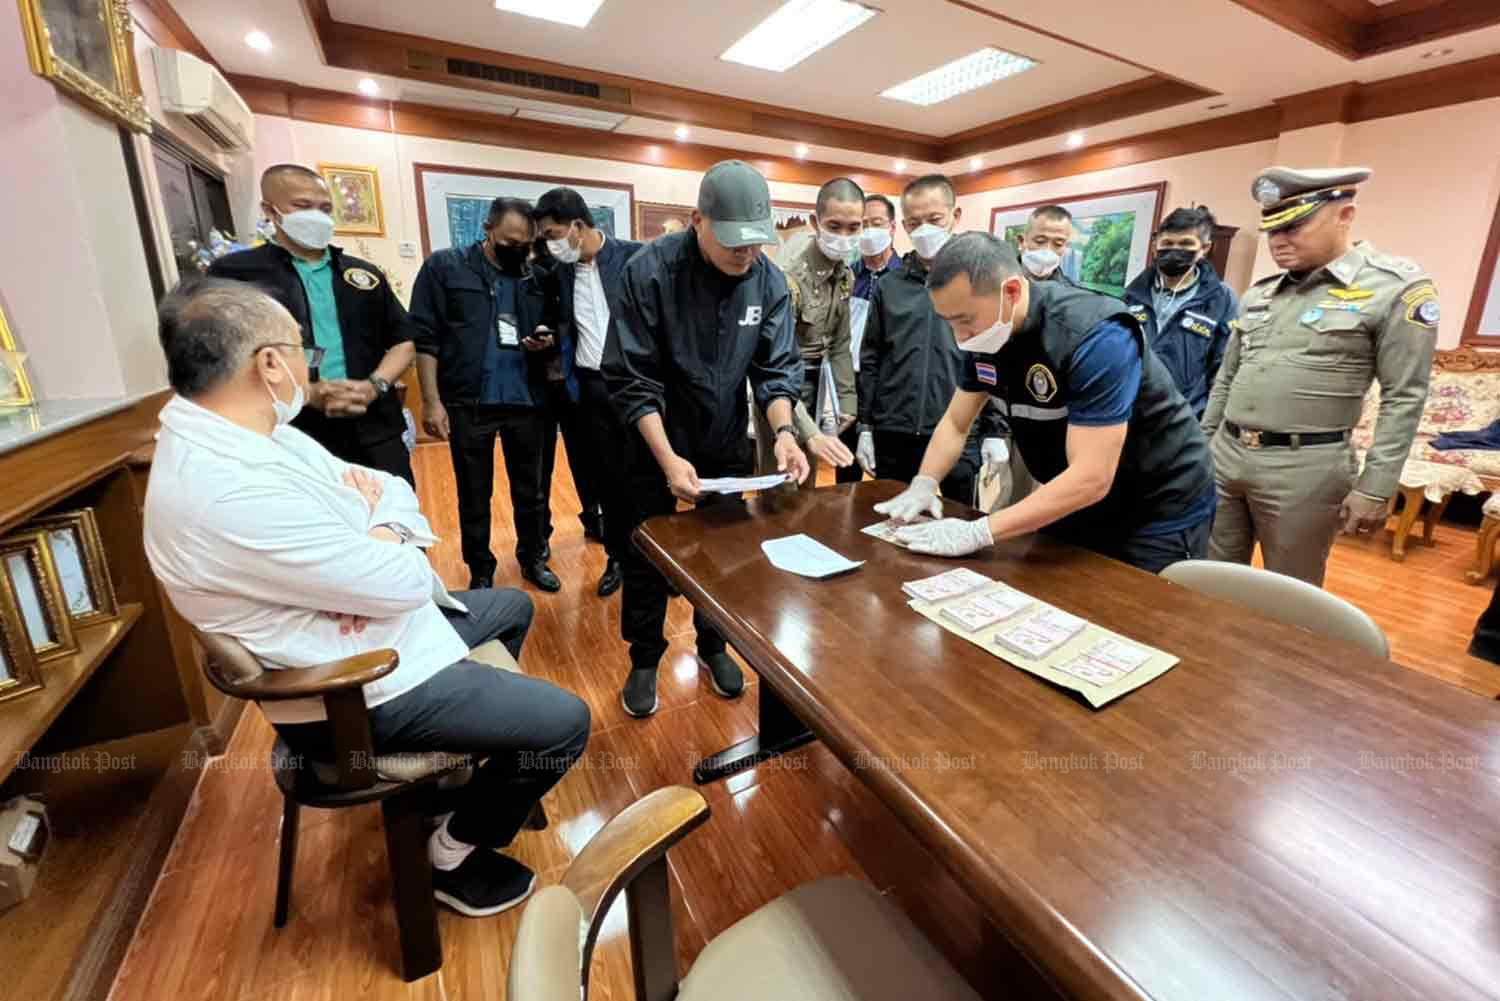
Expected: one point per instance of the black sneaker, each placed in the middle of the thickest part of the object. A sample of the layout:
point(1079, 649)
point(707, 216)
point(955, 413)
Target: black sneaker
point(639, 696)
point(724, 673)
point(485, 883)
point(610, 580)
point(542, 576)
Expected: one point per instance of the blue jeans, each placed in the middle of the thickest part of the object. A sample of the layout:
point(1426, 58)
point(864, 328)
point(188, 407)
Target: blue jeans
point(530, 732)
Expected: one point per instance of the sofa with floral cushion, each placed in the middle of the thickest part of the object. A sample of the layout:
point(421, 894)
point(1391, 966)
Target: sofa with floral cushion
point(1463, 395)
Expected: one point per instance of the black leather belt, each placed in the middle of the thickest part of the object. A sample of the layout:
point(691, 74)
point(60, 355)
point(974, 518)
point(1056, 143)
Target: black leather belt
point(1251, 438)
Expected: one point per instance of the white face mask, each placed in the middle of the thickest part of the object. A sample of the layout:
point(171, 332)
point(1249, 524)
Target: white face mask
point(874, 240)
point(929, 239)
point(308, 228)
point(989, 341)
point(835, 247)
point(287, 412)
point(563, 251)
point(1042, 262)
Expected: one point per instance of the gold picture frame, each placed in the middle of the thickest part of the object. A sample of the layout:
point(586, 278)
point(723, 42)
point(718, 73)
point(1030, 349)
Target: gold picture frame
point(77, 552)
point(15, 385)
point(355, 189)
point(87, 47)
point(28, 580)
point(20, 671)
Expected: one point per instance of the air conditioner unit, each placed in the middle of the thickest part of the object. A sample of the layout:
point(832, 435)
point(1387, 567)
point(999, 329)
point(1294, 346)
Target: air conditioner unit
point(193, 88)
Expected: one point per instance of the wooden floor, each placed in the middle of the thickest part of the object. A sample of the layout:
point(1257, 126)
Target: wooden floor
point(207, 933)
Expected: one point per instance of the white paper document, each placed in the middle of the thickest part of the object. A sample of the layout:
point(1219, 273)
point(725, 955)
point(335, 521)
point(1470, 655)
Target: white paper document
point(800, 554)
point(740, 484)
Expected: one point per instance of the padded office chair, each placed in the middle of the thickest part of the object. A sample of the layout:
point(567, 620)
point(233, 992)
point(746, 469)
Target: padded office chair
point(401, 783)
point(1278, 596)
point(833, 939)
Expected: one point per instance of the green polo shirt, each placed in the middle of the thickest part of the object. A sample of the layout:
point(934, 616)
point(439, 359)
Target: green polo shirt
point(317, 281)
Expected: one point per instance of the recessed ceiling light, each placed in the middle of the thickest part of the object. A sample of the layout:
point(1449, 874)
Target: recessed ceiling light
point(899, 166)
point(796, 30)
point(259, 41)
point(575, 13)
point(1075, 140)
point(369, 87)
point(801, 151)
point(978, 69)
point(975, 162)
point(681, 132)
point(1437, 53)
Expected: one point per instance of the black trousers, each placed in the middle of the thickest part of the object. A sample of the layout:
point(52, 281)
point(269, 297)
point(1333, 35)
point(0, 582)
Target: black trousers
point(340, 435)
point(604, 442)
point(1486, 642)
point(899, 457)
point(583, 458)
point(528, 439)
point(851, 473)
point(643, 601)
point(1154, 553)
point(529, 732)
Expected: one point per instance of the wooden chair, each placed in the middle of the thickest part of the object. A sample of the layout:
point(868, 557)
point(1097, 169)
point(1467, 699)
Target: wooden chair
point(1278, 596)
point(401, 783)
point(832, 940)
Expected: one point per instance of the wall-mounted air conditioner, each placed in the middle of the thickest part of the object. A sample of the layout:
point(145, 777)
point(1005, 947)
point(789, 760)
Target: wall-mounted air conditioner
point(195, 89)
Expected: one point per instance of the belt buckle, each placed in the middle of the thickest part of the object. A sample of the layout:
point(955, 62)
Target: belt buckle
point(1249, 438)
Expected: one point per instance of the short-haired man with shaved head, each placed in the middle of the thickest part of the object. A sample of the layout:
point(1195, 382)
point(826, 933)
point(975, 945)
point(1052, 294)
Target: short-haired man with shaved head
point(1044, 243)
point(346, 307)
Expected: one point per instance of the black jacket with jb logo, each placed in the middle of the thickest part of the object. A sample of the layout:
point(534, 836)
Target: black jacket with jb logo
point(684, 337)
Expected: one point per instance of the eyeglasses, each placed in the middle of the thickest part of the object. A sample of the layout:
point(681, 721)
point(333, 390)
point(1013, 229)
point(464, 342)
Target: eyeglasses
point(314, 355)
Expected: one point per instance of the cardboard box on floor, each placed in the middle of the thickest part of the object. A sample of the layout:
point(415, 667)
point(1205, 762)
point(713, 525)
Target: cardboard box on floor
point(23, 839)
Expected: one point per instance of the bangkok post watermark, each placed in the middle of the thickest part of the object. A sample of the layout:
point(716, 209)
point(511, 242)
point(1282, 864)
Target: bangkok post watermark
point(1249, 762)
point(1093, 761)
point(95, 761)
point(1426, 761)
point(925, 761)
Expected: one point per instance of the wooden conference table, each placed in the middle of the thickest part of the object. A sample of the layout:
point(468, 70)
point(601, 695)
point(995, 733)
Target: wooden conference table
point(1279, 816)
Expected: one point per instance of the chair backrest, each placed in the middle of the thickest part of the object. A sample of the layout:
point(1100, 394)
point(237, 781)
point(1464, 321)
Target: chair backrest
point(228, 662)
point(1278, 596)
point(547, 960)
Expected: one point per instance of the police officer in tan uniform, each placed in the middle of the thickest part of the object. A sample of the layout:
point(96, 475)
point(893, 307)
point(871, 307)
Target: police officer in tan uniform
point(1304, 350)
point(821, 281)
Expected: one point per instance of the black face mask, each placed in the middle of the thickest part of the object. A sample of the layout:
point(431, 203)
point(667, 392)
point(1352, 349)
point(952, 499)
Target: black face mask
point(1176, 262)
point(511, 259)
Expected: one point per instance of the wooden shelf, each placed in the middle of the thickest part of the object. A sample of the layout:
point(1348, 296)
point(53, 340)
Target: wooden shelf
point(23, 720)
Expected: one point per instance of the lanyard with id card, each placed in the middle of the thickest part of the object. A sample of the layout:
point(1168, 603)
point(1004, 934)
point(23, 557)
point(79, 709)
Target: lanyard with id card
point(506, 334)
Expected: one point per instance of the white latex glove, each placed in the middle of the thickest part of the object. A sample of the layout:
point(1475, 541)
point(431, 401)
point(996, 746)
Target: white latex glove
point(916, 500)
point(948, 537)
point(864, 451)
point(994, 452)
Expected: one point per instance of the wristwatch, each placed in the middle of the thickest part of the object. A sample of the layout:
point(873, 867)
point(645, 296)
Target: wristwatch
point(381, 386)
point(787, 429)
point(400, 531)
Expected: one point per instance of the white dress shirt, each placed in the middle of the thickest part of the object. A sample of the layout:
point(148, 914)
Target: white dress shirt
point(590, 312)
point(257, 537)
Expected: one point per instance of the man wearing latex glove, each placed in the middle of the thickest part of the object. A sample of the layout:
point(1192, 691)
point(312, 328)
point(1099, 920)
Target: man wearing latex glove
point(1123, 468)
point(698, 314)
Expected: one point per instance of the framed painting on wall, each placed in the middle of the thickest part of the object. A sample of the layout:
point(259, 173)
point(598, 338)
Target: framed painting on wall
point(654, 219)
point(15, 386)
point(452, 202)
point(1482, 325)
point(794, 227)
point(87, 47)
point(356, 198)
point(1112, 233)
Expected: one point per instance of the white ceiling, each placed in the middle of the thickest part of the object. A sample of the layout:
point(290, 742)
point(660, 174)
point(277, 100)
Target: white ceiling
point(678, 42)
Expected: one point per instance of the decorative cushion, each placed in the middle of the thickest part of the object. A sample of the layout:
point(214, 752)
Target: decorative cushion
point(1437, 480)
point(832, 940)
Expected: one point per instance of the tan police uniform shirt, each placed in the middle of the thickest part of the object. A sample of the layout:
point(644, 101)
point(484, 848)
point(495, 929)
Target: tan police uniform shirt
point(1303, 353)
point(820, 301)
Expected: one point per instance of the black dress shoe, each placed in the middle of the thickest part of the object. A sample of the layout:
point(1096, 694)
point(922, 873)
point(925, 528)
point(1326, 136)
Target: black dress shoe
point(724, 673)
point(610, 580)
point(542, 576)
point(481, 583)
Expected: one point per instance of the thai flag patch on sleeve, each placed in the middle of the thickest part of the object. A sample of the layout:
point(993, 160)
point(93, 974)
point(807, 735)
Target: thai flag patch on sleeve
point(985, 371)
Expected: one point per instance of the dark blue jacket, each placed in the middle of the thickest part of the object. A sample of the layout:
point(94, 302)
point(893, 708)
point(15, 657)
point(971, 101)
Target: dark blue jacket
point(453, 309)
point(1192, 347)
point(611, 264)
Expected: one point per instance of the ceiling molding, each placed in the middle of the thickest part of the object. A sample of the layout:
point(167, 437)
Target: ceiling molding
point(329, 107)
point(1318, 107)
point(1361, 30)
point(166, 27)
point(1474, 80)
point(1137, 97)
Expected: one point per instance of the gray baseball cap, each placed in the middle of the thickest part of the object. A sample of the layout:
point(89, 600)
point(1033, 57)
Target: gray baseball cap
point(735, 198)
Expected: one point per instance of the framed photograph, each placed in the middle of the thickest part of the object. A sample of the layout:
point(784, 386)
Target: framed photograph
point(29, 582)
point(794, 227)
point(1482, 325)
point(356, 198)
point(653, 219)
point(87, 47)
point(82, 572)
point(1112, 233)
point(20, 672)
point(15, 387)
point(453, 202)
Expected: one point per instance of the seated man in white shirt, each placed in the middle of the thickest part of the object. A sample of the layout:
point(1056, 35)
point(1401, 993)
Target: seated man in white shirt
point(258, 532)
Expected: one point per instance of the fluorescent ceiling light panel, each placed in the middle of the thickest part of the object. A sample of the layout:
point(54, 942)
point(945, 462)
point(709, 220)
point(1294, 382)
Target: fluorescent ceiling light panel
point(796, 30)
point(575, 13)
point(978, 69)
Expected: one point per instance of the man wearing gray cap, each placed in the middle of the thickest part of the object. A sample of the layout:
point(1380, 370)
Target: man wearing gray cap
point(698, 312)
point(1308, 341)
